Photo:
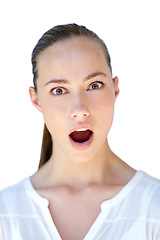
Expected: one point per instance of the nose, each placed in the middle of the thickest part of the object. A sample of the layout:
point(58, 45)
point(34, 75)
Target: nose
point(79, 109)
point(79, 114)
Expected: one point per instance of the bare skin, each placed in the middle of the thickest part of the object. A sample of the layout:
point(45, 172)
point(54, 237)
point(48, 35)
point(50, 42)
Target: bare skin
point(75, 206)
point(77, 181)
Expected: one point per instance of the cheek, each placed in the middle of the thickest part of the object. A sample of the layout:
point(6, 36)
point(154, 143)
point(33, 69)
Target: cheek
point(53, 112)
point(104, 110)
point(103, 103)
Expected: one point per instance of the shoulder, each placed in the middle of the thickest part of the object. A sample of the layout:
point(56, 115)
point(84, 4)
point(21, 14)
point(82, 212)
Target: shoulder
point(149, 185)
point(152, 189)
point(21, 199)
point(12, 196)
point(148, 192)
point(14, 189)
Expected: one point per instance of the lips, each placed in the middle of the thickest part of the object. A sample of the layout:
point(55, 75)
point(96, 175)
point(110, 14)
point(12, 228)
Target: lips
point(81, 135)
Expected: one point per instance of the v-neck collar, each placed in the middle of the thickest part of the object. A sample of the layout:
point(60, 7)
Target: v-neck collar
point(100, 218)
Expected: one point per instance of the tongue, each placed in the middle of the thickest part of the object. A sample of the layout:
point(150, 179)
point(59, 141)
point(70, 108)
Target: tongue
point(81, 136)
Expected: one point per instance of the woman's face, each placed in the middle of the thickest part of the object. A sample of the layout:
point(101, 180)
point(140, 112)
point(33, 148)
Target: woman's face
point(76, 95)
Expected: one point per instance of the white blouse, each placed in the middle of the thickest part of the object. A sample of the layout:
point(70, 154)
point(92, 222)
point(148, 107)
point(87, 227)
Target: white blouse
point(133, 214)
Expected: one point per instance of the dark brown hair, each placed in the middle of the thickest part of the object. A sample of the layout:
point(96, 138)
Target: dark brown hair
point(52, 36)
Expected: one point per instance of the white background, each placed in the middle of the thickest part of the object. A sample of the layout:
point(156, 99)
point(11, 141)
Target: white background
point(131, 30)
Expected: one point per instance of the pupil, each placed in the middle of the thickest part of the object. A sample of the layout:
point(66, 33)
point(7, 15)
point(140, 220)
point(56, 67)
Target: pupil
point(95, 86)
point(59, 91)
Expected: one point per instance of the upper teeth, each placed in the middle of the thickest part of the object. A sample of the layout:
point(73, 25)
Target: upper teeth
point(81, 129)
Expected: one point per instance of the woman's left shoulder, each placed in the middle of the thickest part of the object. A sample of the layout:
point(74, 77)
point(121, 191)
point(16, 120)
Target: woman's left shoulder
point(151, 191)
point(150, 181)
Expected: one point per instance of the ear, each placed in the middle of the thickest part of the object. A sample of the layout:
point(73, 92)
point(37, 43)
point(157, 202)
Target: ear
point(34, 98)
point(116, 88)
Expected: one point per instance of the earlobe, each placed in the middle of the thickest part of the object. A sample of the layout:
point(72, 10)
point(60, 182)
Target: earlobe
point(34, 98)
point(116, 88)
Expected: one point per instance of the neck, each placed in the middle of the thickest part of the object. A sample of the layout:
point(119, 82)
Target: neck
point(60, 171)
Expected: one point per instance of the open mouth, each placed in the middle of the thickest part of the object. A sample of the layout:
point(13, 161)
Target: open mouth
point(81, 135)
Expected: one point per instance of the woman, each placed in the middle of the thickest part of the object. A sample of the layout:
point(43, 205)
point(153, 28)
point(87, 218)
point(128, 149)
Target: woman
point(82, 190)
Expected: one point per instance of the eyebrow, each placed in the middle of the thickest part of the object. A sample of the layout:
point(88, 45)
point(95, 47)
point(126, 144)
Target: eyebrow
point(95, 75)
point(64, 81)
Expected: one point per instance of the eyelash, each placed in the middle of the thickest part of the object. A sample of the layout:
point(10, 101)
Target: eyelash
point(97, 82)
point(65, 90)
point(58, 88)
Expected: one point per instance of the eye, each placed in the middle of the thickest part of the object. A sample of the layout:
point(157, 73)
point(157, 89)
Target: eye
point(58, 91)
point(96, 85)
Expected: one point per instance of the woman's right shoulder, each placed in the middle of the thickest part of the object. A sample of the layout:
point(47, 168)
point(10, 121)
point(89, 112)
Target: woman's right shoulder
point(11, 195)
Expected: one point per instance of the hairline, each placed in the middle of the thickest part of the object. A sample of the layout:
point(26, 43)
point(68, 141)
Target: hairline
point(68, 39)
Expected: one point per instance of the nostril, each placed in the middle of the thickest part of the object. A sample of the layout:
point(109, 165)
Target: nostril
point(77, 115)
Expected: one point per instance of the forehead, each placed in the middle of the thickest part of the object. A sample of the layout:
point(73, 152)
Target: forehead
point(76, 41)
point(74, 55)
point(74, 45)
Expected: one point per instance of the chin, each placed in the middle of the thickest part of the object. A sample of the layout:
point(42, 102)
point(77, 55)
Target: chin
point(82, 157)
